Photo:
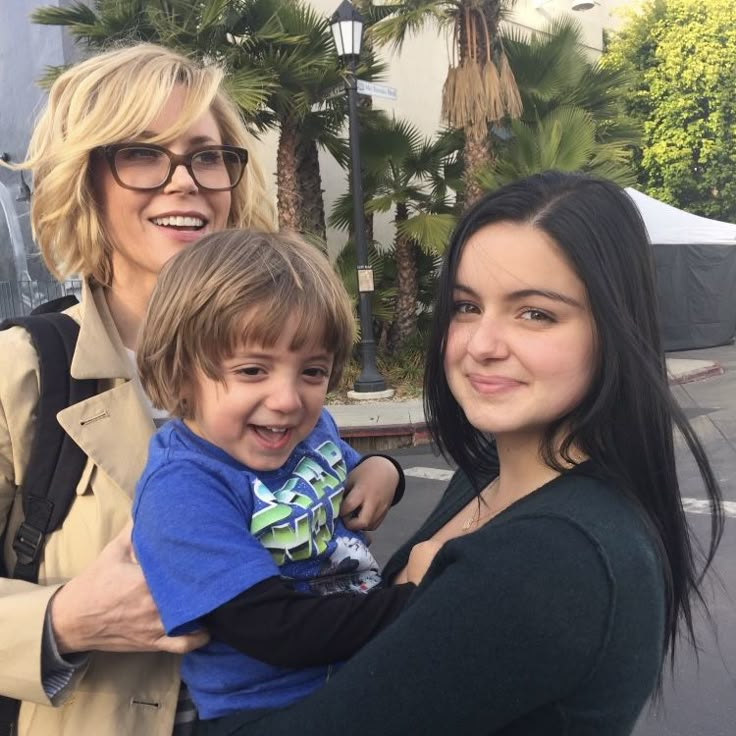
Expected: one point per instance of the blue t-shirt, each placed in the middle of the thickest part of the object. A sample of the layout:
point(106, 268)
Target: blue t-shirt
point(207, 528)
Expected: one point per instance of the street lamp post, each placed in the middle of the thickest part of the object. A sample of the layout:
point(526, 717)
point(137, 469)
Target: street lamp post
point(347, 31)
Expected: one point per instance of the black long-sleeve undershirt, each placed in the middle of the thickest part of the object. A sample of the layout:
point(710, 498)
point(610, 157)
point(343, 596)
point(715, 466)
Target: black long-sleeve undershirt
point(280, 626)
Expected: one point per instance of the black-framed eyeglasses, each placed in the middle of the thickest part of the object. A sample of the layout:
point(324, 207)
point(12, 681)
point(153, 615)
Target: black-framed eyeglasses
point(144, 166)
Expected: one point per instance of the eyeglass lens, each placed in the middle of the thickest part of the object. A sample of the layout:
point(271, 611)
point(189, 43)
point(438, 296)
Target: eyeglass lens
point(148, 168)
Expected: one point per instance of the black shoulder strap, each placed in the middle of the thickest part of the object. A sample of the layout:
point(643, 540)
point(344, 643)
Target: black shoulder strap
point(56, 461)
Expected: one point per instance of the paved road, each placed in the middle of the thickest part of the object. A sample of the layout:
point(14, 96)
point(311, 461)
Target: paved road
point(700, 698)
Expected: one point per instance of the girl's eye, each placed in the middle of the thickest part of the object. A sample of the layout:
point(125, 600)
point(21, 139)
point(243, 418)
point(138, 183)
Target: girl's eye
point(464, 308)
point(536, 315)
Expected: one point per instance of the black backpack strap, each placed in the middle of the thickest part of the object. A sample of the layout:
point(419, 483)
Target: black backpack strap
point(56, 461)
point(56, 305)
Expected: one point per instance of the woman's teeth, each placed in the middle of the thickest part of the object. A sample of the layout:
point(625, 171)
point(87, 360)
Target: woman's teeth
point(178, 221)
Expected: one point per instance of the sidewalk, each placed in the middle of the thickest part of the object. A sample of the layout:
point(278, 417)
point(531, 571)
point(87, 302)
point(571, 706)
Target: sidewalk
point(387, 424)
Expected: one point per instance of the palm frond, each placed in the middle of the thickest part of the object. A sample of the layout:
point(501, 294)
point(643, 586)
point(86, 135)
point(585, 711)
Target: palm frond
point(430, 232)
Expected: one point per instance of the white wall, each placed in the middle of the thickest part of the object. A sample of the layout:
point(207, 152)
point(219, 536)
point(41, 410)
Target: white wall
point(418, 73)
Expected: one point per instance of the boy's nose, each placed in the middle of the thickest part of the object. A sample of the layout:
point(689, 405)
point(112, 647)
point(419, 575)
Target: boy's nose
point(285, 398)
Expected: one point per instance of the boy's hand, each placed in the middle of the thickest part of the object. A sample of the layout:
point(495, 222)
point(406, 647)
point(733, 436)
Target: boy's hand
point(420, 558)
point(369, 491)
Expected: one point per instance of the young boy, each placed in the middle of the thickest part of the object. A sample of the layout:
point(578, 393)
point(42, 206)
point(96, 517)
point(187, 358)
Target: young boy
point(236, 516)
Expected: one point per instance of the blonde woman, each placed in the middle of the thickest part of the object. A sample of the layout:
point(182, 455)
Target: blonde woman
point(137, 155)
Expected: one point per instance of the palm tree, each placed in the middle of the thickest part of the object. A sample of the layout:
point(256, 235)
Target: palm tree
point(573, 119)
point(404, 173)
point(480, 89)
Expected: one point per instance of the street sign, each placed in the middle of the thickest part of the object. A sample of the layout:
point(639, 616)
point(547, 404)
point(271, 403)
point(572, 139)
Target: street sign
point(365, 279)
point(376, 90)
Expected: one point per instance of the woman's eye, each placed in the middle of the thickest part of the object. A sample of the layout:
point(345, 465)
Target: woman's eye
point(209, 158)
point(140, 154)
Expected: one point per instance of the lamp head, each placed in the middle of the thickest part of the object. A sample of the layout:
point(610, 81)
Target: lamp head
point(346, 25)
point(578, 5)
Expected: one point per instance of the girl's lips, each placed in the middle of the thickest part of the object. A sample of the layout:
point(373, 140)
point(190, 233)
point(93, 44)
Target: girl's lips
point(493, 384)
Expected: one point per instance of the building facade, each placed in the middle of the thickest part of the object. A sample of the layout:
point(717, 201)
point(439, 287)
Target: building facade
point(417, 74)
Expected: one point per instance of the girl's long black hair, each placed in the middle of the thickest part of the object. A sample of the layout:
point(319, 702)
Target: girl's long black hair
point(625, 423)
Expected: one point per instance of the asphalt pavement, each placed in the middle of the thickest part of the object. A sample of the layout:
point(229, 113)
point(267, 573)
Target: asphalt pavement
point(699, 697)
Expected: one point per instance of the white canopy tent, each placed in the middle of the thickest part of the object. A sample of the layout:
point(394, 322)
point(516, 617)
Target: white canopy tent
point(695, 260)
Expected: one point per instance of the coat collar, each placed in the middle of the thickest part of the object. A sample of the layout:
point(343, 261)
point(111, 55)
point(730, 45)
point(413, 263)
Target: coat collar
point(113, 427)
point(99, 352)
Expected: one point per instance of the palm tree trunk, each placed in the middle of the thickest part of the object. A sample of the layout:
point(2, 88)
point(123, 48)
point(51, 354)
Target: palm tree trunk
point(407, 284)
point(476, 155)
point(289, 202)
point(310, 189)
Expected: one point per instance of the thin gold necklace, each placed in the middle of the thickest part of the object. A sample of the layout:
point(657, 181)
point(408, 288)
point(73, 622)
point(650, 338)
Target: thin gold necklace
point(473, 520)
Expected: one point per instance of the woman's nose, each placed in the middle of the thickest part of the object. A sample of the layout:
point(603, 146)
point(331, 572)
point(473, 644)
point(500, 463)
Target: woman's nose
point(181, 181)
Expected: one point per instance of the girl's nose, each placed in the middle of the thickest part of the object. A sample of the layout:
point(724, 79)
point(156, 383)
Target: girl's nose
point(489, 340)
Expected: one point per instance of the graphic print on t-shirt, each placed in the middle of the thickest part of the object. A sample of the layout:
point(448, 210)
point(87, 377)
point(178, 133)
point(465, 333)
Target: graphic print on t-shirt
point(299, 523)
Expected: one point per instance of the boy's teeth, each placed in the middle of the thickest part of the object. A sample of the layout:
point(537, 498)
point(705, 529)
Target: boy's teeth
point(179, 221)
point(276, 430)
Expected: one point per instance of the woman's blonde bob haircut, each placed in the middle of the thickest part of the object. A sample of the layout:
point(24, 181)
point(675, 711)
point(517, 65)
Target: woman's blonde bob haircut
point(113, 98)
point(231, 288)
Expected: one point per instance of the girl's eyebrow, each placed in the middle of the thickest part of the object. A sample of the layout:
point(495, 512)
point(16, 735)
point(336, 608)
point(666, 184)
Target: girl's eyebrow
point(525, 294)
point(545, 293)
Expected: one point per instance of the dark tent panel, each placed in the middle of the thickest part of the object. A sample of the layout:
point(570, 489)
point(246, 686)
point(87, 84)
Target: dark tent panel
point(696, 288)
point(695, 260)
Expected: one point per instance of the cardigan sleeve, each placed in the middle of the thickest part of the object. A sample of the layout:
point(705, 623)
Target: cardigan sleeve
point(507, 619)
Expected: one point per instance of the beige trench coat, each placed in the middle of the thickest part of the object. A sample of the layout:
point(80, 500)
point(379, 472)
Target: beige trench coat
point(116, 694)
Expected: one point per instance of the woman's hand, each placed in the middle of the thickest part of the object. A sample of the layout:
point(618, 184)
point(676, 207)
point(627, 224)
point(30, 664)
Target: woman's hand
point(108, 607)
point(420, 558)
point(369, 492)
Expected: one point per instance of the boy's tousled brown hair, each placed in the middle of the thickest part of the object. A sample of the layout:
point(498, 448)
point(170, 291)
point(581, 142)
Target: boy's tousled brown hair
point(236, 286)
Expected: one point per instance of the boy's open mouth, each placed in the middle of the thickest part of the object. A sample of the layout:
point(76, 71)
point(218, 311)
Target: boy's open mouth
point(273, 437)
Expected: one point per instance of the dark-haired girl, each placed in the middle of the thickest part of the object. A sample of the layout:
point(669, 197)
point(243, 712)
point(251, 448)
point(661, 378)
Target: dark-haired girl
point(566, 571)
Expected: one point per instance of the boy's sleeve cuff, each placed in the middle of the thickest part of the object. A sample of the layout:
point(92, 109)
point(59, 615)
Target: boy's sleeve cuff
point(401, 485)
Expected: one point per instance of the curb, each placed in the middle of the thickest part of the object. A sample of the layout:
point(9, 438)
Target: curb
point(697, 374)
point(386, 437)
point(373, 437)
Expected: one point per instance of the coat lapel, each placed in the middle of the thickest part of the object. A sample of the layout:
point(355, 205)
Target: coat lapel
point(115, 419)
point(113, 429)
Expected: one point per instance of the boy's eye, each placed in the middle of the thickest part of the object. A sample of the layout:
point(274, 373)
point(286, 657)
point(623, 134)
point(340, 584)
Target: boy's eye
point(316, 372)
point(249, 370)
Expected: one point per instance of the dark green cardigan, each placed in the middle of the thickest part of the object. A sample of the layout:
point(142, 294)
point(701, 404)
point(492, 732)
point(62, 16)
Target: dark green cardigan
point(547, 621)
